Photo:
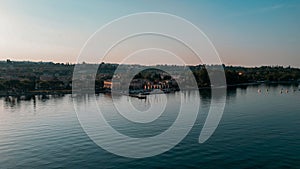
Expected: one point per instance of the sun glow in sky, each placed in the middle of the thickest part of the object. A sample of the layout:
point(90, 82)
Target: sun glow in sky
point(248, 33)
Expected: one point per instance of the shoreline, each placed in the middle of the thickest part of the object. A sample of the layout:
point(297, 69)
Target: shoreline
point(60, 92)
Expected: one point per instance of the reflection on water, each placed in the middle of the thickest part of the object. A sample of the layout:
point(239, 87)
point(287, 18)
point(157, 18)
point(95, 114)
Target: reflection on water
point(205, 94)
point(15, 101)
point(259, 129)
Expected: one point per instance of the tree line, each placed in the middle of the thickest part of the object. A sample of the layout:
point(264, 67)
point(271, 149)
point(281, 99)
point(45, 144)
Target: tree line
point(25, 76)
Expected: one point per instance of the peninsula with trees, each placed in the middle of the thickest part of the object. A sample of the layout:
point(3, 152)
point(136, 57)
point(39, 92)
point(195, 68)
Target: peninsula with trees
point(25, 77)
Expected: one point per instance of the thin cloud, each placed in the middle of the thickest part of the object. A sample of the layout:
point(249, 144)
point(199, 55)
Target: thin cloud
point(266, 9)
point(272, 8)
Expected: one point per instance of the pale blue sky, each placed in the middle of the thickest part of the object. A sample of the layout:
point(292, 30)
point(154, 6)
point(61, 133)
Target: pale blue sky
point(247, 32)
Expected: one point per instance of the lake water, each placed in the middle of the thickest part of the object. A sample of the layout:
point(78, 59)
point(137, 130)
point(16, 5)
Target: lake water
point(259, 129)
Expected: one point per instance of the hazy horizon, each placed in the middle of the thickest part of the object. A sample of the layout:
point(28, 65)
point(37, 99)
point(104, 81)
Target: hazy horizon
point(245, 33)
point(246, 66)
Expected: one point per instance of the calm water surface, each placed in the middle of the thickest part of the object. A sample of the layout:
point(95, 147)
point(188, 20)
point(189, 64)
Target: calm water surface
point(258, 130)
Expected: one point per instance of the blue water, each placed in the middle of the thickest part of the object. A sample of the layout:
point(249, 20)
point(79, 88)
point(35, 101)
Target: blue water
point(258, 130)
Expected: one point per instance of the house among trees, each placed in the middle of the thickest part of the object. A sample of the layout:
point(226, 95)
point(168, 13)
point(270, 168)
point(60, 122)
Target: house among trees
point(109, 84)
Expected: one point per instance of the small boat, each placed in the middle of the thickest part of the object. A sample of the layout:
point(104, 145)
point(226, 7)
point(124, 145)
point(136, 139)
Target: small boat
point(281, 91)
point(139, 96)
